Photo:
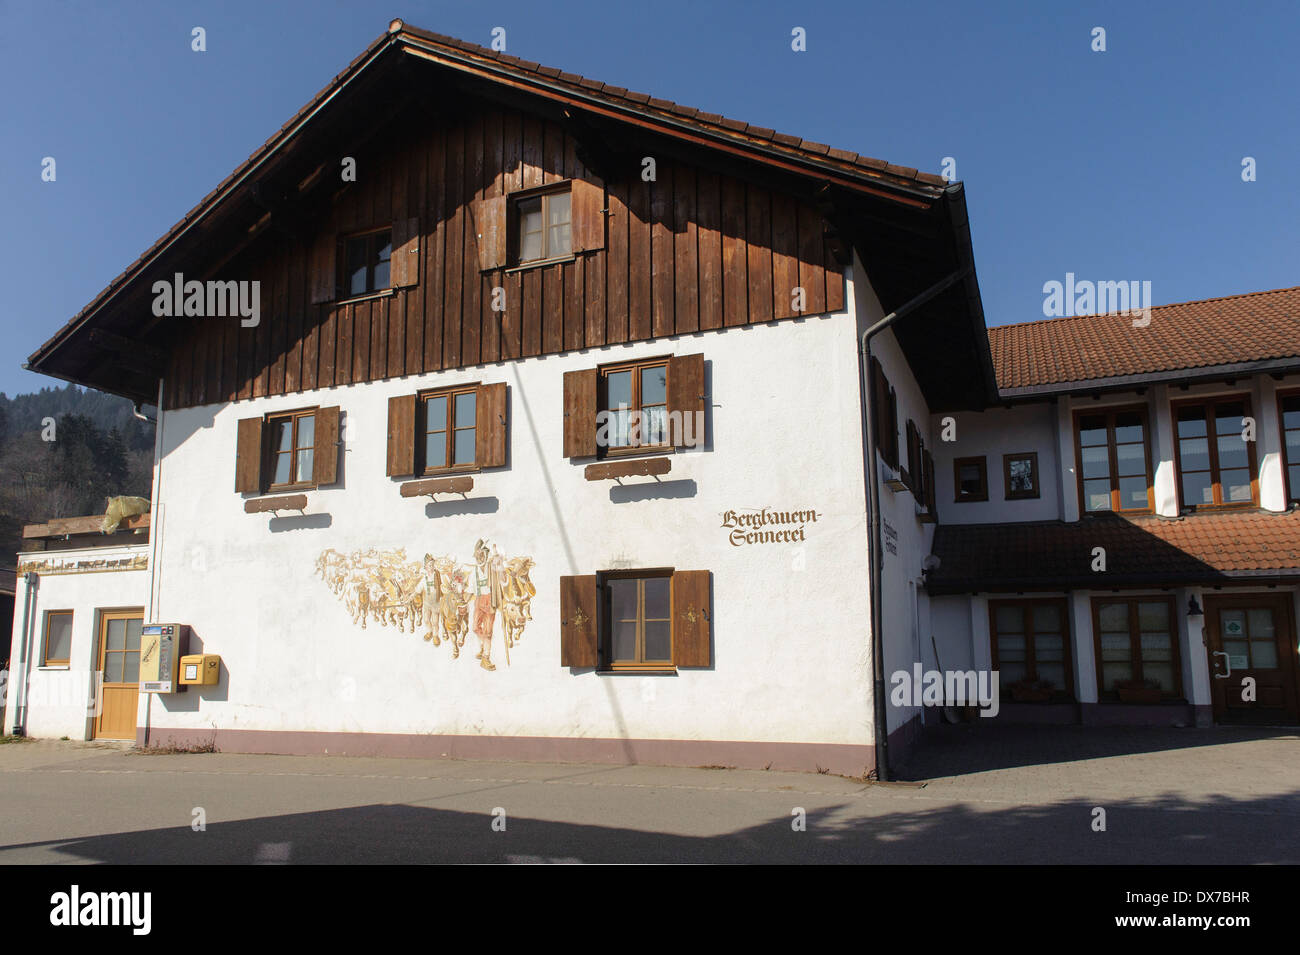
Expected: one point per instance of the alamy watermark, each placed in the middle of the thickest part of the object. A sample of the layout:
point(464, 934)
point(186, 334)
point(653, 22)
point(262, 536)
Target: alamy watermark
point(1085, 297)
point(211, 299)
point(923, 687)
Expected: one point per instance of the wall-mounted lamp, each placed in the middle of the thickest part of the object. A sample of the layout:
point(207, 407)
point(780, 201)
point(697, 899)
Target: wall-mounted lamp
point(1193, 608)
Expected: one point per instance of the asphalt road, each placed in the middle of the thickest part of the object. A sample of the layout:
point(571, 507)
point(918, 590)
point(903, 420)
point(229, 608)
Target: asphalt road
point(1170, 796)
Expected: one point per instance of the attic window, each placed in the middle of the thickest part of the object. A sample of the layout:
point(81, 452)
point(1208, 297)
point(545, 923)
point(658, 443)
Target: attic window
point(543, 227)
point(366, 263)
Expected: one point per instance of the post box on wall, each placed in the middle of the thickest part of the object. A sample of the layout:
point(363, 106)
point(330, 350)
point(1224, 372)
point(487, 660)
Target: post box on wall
point(200, 669)
point(161, 647)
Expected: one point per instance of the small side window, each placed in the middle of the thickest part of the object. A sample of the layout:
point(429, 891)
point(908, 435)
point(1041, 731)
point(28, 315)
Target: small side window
point(58, 638)
point(1020, 475)
point(970, 480)
point(543, 227)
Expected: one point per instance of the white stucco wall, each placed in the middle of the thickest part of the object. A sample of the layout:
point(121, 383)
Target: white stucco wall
point(789, 621)
point(61, 698)
point(905, 610)
point(991, 434)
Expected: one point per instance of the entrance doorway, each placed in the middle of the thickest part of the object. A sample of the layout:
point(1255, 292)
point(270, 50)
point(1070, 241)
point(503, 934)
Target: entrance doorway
point(1252, 636)
point(119, 665)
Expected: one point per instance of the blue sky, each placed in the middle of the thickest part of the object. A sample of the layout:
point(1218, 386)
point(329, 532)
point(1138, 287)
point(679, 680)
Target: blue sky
point(1122, 165)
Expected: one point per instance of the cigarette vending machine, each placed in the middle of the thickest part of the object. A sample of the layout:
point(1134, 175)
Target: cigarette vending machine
point(161, 647)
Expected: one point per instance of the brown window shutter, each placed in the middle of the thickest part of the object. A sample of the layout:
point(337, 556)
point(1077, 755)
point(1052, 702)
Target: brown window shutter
point(587, 211)
point(691, 616)
point(490, 425)
point(580, 413)
point(881, 399)
point(401, 436)
point(892, 431)
point(325, 457)
point(405, 262)
point(578, 641)
point(248, 456)
point(490, 224)
point(929, 482)
point(686, 398)
point(324, 271)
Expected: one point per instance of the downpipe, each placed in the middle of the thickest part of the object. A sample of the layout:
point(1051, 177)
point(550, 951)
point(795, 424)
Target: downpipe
point(876, 543)
point(32, 580)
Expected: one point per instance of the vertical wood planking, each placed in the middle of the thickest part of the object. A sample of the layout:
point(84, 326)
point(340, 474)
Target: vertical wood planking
point(381, 216)
point(662, 293)
point(686, 270)
point(812, 274)
point(834, 283)
point(311, 323)
point(615, 263)
point(511, 181)
point(471, 327)
point(576, 300)
point(493, 185)
point(735, 277)
point(437, 253)
point(452, 299)
point(295, 302)
point(416, 193)
point(402, 209)
point(759, 243)
point(708, 212)
point(785, 255)
point(552, 276)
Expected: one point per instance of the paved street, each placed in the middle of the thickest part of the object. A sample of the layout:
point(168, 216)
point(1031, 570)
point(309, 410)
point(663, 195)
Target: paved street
point(978, 795)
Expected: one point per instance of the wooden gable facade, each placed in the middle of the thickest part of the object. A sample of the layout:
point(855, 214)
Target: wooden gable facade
point(691, 251)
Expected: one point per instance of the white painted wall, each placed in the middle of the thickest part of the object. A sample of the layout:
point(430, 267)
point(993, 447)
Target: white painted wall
point(790, 624)
point(61, 698)
point(906, 617)
point(992, 434)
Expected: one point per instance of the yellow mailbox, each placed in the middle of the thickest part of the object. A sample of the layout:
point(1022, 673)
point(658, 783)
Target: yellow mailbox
point(200, 669)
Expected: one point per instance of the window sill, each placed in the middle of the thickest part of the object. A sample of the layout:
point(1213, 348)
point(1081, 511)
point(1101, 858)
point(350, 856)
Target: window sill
point(541, 263)
point(637, 671)
point(382, 293)
point(288, 502)
point(628, 467)
point(54, 666)
point(442, 485)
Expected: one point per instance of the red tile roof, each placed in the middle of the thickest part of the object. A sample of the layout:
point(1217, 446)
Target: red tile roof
point(1189, 335)
point(1039, 555)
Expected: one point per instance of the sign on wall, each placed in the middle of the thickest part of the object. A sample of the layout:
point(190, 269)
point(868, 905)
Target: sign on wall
point(761, 526)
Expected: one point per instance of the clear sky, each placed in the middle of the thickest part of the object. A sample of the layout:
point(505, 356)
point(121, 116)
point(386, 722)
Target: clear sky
point(1116, 165)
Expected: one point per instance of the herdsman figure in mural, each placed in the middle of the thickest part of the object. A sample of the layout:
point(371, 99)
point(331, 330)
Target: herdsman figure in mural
point(487, 589)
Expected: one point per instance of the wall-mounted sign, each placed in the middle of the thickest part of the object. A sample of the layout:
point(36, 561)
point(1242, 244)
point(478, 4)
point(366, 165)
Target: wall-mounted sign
point(891, 538)
point(749, 526)
point(48, 566)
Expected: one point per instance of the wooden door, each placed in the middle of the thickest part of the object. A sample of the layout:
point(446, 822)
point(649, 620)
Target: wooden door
point(119, 666)
point(1252, 636)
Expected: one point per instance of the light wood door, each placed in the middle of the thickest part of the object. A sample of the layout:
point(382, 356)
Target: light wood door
point(1252, 636)
point(119, 666)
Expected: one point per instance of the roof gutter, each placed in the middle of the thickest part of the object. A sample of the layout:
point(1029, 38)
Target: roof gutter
point(875, 542)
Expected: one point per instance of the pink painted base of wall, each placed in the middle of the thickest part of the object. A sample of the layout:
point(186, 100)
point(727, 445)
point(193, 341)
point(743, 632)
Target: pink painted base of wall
point(842, 759)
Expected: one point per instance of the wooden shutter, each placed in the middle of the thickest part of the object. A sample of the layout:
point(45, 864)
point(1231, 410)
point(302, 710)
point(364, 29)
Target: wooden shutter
point(587, 212)
point(325, 456)
point(880, 408)
point(248, 456)
point(490, 426)
point(580, 413)
point(401, 436)
point(490, 225)
point(686, 398)
point(578, 640)
point(913, 473)
point(405, 263)
point(893, 429)
point(928, 458)
point(691, 616)
point(324, 271)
